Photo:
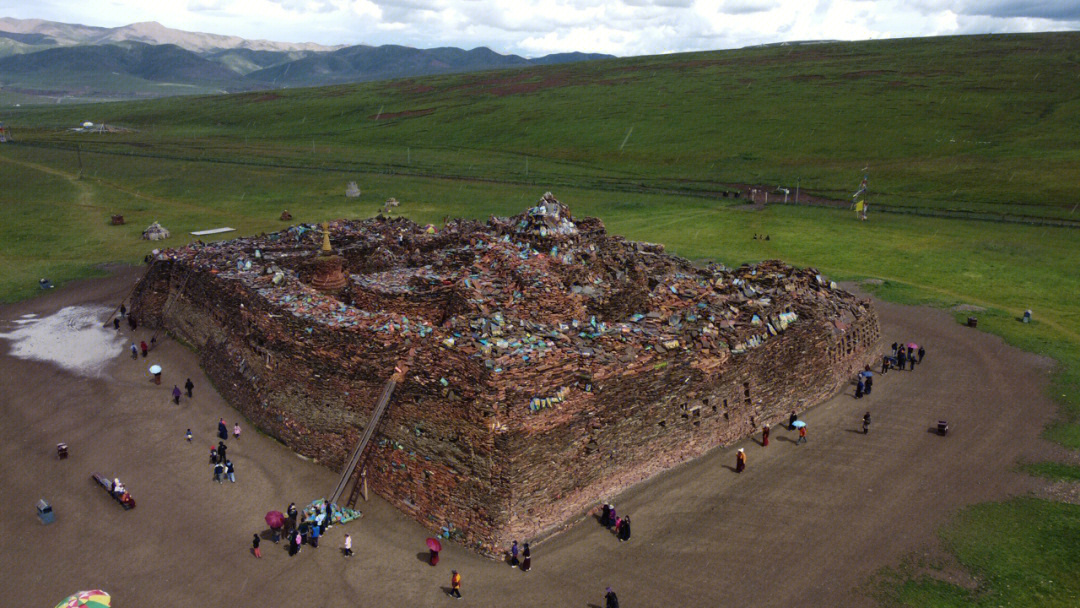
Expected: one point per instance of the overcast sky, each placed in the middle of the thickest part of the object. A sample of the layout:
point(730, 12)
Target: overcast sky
point(539, 27)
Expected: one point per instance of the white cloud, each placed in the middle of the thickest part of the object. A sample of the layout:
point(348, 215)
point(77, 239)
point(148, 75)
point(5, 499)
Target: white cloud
point(538, 27)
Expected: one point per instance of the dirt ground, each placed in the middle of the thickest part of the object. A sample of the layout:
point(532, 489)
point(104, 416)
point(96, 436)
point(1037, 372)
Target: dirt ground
point(804, 524)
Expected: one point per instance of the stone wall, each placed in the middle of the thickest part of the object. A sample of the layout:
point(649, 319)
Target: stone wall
point(485, 441)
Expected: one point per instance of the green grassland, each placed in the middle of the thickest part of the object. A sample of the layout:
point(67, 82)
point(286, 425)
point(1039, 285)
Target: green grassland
point(979, 123)
point(976, 123)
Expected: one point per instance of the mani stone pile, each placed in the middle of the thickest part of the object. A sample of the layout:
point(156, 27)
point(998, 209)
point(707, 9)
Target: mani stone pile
point(552, 365)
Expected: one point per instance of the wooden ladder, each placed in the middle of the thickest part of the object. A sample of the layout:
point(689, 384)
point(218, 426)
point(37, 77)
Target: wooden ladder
point(369, 431)
point(169, 302)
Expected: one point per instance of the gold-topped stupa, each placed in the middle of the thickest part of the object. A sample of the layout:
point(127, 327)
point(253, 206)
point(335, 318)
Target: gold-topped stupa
point(328, 275)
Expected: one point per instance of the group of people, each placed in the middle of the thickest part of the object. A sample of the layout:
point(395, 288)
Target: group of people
point(619, 525)
point(526, 557)
point(864, 383)
point(223, 467)
point(130, 319)
point(304, 530)
point(903, 355)
point(145, 349)
point(176, 394)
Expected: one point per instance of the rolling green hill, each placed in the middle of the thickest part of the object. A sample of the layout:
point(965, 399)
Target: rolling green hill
point(50, 62)
point(246, 61)
point(154, 63)
point(978, 124)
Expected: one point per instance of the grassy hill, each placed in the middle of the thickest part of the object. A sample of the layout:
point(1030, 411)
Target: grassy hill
point(87, 64)
point(981, 123)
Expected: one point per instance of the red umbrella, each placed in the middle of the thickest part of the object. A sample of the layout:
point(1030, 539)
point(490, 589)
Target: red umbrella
point(275, 519)
point(434, 544)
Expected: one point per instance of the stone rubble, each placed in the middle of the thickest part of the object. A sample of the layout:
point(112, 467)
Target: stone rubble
point(555, 365)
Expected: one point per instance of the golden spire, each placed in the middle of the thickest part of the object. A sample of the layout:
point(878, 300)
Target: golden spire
point(326, 249)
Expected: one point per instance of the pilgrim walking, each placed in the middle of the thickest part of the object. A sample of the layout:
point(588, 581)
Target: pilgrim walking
point(624, 529)
point(176, 394)
point(255, 540)
point(610, 599)
point(765, 436)
point(740, 460)
point(189, 385)
point(455, 584)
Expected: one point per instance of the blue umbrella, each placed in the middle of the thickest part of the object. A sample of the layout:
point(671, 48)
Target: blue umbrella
point(799, 424)
point(867, 374)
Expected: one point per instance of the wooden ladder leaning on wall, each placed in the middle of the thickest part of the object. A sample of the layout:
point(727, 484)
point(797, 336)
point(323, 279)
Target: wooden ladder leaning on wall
point(355, 460)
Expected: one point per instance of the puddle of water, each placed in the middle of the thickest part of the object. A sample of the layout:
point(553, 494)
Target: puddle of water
point(73, 338)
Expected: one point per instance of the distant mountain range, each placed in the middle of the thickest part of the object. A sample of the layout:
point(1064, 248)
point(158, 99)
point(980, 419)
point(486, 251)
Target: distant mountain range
point(49, 61)
point(39, 31)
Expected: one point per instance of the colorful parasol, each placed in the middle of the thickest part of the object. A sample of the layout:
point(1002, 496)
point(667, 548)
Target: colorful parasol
point(275, 519)
point(155, 369)
point(88, 599)
point(434, 544)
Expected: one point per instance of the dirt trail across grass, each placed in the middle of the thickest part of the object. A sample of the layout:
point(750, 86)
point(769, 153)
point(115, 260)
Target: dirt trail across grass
point(86, 195)
point(803, 525)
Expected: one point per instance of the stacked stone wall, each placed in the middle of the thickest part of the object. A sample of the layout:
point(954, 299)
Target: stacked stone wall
point(483, 443)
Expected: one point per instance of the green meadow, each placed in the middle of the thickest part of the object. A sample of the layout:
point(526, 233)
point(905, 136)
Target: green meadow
point(974, 126)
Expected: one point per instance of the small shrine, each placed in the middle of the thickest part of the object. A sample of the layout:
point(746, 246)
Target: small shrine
point(328, 273)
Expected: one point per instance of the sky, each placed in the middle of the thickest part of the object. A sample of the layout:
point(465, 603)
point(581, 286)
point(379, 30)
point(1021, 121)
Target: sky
point(539, 27)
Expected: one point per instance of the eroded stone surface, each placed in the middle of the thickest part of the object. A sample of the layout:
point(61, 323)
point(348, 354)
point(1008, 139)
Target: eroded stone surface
point(554, 364)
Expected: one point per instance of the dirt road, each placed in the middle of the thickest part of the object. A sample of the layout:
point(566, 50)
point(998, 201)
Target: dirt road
point(803, 524)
